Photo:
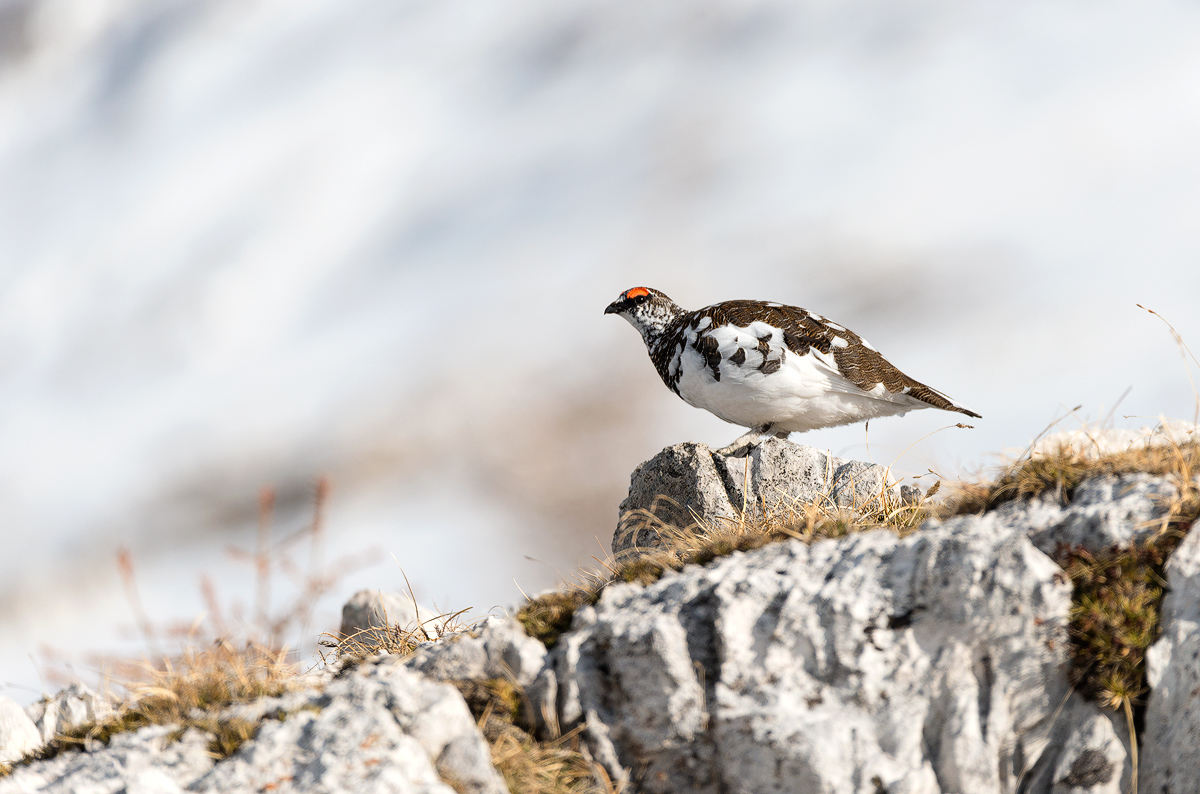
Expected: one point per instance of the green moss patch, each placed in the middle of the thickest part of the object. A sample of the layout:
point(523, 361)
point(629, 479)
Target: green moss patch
point(1115, 616)
point(548, 616)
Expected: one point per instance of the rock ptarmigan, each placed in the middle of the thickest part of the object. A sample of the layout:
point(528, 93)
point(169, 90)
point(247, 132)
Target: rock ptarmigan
point(774, 369)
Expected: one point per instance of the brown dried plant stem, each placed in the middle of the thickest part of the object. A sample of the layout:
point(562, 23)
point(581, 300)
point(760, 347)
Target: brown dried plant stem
point(1185, 351)
point(262, 557)
point(1133, 746)
point(133, 597)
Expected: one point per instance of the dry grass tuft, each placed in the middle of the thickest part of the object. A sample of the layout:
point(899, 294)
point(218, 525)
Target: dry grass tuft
point(1060, 469)
point(557, 767)
point(191, 691)
point(390, 638)
point(368, 642)
point(529, 766)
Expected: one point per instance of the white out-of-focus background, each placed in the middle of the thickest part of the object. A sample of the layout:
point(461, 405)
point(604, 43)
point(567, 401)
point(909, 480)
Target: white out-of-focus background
point(245, 243)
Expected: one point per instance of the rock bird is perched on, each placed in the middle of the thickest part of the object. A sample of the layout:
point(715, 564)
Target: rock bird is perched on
point(772, 368)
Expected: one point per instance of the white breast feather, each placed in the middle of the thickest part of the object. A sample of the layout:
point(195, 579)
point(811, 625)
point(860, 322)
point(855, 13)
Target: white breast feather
point(806, 392)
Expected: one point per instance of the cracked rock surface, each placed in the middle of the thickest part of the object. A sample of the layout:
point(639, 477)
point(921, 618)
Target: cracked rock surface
point(1102, 512)
point(928, 664)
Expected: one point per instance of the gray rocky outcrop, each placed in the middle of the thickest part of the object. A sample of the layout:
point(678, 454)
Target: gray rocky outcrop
point(689, 483)
point(1102, 512)
point(838, 690)
point(377, 727)
point(1173, 672)
point(929, 664)
point(152, 759)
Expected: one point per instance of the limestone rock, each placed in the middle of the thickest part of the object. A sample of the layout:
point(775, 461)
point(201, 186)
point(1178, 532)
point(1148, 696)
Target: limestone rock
point(779, 473)
point(379, 728)
point(18, 734)
point(370, 608)
point(931, 663)
point(146, 760)
point(1088, 752)
point(689, 482)
point(497, 648)
point(1103, 511)
point(1170, 762)
point(928, 664)
point(71, 707)
point(679, 485)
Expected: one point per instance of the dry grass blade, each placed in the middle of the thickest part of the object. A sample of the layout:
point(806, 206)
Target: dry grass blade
point(1186, 352)
point(557, 767)
point(529, 766)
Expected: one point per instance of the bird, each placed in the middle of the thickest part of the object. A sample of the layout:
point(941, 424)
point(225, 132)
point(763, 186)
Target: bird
point(771, 368)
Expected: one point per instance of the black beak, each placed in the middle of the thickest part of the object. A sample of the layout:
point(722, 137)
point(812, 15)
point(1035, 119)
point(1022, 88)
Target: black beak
point(615, 307)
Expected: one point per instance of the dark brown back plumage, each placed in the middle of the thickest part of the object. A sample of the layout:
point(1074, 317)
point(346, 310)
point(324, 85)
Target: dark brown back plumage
point(856, 361)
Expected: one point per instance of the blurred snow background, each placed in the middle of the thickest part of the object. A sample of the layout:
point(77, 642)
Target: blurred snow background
point(249, 242)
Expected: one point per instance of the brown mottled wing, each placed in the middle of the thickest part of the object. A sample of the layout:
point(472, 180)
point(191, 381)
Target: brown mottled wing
point(856, 362)
point(800, 329)
point(865, 368)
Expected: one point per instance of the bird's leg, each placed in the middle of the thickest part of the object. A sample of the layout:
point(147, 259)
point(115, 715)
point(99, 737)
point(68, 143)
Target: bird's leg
point(752, 438)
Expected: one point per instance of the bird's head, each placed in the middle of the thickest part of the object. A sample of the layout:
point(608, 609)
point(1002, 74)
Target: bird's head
point(647, 310)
